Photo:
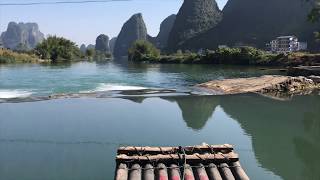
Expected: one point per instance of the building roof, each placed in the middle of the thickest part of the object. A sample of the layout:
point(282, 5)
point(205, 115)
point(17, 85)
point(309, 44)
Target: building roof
point(206, 162)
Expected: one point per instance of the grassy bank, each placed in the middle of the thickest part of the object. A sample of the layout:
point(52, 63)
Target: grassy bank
point(144, 52)
point(8, 56)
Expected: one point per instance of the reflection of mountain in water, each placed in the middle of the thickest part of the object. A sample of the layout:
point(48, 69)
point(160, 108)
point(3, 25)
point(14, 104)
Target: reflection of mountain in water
point(285, 134)
point(196, 111)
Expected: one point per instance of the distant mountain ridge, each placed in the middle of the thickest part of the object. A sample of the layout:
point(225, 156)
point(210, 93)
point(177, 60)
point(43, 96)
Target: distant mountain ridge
point(256, 22)
point(134, 29)
point(166, 25)
point(102, 43)
point(193, 18)
point(21, 36)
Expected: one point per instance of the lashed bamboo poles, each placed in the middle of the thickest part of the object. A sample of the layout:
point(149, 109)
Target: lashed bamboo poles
point(172, 150)
point(229, 157)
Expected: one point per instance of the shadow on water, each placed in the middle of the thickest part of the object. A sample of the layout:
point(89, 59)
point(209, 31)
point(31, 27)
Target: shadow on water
point(196, 111)
point(285, 134)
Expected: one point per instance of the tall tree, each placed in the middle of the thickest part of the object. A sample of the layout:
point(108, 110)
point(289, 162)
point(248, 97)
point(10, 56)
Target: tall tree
point(314, 15)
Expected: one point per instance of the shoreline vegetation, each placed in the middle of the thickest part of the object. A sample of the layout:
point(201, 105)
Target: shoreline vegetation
point(52, 50)
point(143, 51)
point(57, 49)
point(9, 56)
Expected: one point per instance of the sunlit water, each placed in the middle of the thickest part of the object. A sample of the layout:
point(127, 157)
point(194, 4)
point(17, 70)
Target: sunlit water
point(76, 139)
point(42, 80)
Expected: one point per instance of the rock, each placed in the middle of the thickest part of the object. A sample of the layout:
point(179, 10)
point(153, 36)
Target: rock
point(134, 29)
point(315, 79)
point(165, 28)
point(263, 85)
point(83, 48)
point(249, 22)
point(22, 36)
point(102, 43)
point(112, 43)
point(193, 18)
point(91, 46)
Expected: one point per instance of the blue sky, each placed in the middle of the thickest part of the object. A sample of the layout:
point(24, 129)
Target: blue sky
point(82, 23)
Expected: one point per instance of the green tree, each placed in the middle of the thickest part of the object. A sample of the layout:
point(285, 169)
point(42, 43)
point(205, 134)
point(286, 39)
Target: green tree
point(314, 15)
point(90, 53)
point(57, 49)
point(143, 51)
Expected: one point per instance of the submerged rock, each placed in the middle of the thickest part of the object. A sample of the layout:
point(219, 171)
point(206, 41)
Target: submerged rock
point(263, 85)
point(134, 29)
point(21, 36)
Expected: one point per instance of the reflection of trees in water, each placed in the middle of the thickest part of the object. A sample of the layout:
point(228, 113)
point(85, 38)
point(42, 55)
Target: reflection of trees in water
point(196, 110)
point(308, 146)
point(285, 134)
point(136, 99)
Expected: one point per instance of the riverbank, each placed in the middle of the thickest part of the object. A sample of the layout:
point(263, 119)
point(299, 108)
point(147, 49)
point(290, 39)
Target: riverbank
point(8, 56)
point(232, 56)
point(270, 85)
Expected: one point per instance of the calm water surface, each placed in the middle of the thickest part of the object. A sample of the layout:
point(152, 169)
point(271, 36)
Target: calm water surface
point(76, 139)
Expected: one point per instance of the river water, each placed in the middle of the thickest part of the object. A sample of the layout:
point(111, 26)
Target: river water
point(77, 138)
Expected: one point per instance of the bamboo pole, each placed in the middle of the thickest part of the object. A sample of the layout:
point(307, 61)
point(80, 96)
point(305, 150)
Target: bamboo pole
point(174, 172)
point(213, 172)
point(226, 172)
point(229, 157)
point(173, 150)
point(148, 173)
point(122, 172)
point(239, 172)
point(135, 173)
point(162, 172)
point(188, 173)
point(200, 173)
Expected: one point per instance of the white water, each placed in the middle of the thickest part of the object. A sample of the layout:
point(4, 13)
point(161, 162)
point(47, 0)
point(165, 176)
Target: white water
point(8, 94)
point(103, 87)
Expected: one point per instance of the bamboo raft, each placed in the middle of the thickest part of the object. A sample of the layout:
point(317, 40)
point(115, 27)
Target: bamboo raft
point(204, 162)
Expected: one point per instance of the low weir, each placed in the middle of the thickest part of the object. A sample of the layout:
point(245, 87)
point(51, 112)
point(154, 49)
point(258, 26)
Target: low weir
point(205, 162)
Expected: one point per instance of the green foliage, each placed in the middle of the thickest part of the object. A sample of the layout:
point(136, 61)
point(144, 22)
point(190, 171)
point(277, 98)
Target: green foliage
point(143, 51)
point(238, 56)
point(314, 15)
point(243, 55)
point(8, 56)
point(90, 53)
point(57, 49)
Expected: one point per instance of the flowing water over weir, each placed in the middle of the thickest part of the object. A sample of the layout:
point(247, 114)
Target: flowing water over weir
point(34, 82)
point(205, 162)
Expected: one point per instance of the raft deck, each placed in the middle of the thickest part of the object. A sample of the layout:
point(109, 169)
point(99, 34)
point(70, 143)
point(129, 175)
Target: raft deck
point(204, 162)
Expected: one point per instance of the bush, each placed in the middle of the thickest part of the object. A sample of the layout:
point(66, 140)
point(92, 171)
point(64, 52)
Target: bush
point(239, 56)
point(143, 51)
point(57, 49)
point(8, 56)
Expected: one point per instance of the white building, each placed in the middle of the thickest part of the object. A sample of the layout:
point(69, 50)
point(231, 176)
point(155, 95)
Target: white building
point(286, 44)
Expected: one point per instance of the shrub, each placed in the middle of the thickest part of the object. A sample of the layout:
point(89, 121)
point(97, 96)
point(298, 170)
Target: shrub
point(8, 56)
point(57, 49)
point(143, 51)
